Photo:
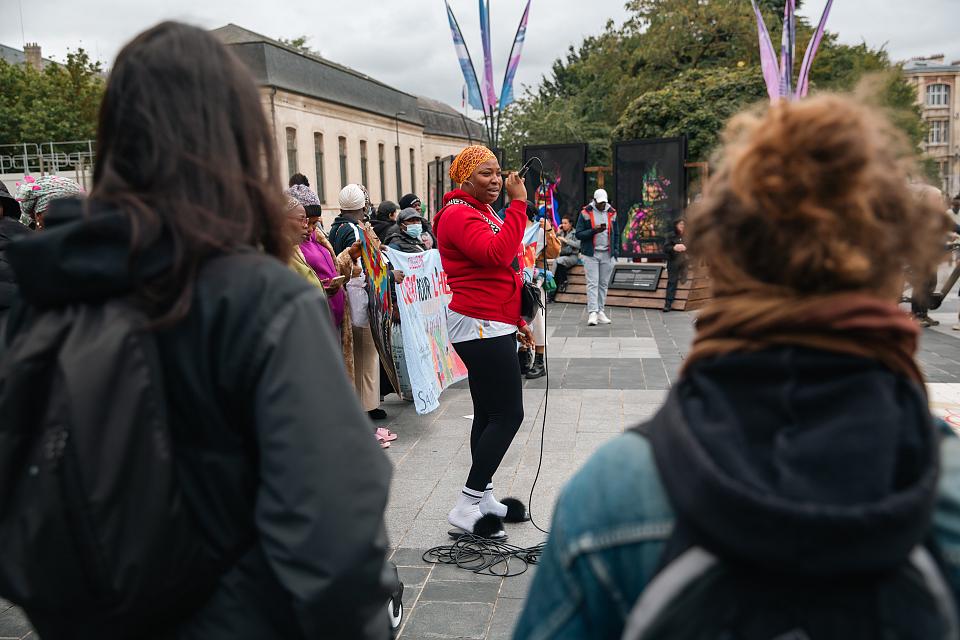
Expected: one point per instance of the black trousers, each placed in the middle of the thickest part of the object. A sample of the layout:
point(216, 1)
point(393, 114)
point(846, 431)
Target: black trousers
point(676, 270)
point(493, 371)
point(560, 275)
point(920, 298)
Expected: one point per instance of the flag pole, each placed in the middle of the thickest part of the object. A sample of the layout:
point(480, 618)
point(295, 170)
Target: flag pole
point(475, 78)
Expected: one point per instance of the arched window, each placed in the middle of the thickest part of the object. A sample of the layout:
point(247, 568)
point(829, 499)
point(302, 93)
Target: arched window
point(938, 95)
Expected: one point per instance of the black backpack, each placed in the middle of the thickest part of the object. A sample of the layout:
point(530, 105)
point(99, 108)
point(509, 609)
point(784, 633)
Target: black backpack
point(94, 532)
point(699, 596)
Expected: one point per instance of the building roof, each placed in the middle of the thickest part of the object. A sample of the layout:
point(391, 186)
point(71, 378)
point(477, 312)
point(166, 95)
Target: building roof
point(11, 55)
point(441, 119)
point(277, 65)
point(936, 65)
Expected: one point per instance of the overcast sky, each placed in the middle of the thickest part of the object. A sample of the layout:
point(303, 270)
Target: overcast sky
point(407, 44)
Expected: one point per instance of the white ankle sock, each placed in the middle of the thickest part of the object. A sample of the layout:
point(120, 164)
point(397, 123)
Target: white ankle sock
point(489, 504)
point(467, 511)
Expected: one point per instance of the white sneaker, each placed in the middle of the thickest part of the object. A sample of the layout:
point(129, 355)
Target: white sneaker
point(602, 317)
point(592, 319)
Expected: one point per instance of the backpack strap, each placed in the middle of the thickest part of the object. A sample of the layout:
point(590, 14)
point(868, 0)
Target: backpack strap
point(922, 561)
point(687, 569)
point(681, 538)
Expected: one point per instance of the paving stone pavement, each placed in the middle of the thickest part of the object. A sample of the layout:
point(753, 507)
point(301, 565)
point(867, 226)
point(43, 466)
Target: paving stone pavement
point(602, 380)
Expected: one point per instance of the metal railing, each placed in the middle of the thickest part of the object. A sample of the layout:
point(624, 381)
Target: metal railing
point(77, 156)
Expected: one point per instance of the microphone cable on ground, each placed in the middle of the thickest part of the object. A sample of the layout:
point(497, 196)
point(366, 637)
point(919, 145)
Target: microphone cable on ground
point(492, 557)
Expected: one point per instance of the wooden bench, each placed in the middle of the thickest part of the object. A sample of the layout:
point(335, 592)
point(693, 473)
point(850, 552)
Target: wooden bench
point(691, 295)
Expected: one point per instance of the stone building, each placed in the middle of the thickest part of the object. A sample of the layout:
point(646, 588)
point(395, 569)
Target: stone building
point(938, 86)
point(31, 54)
point(338, 126)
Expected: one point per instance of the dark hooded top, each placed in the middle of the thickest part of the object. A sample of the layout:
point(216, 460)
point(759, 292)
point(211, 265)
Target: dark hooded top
point(266, 427)
point(10, 229)
point(799, 461)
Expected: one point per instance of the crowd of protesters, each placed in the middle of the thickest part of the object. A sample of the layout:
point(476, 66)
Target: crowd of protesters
point(796, 447)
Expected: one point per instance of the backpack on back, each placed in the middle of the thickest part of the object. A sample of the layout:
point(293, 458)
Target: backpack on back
point(699, 596)
point(94, 529)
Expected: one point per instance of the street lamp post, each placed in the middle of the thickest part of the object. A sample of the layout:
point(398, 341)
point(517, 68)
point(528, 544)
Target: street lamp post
point(396, 119)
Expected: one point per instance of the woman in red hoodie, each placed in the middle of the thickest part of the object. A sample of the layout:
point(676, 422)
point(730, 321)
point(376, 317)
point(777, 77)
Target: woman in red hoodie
point(481, 256)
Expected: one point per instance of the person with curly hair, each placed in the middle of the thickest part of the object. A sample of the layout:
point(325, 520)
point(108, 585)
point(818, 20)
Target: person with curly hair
point(797, 447)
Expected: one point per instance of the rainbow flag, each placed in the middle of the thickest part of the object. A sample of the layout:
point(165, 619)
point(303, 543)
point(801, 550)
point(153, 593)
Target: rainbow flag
point(380, 303)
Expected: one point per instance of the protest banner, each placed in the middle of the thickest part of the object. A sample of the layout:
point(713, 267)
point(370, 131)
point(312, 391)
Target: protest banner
point(432, 364)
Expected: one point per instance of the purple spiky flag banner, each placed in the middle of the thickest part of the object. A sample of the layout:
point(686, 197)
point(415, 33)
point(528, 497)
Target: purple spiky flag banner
point(506, 91)
point(803, 82)
point(466, 64)
point(489, 93)
point(779, 76)
point(788, 46)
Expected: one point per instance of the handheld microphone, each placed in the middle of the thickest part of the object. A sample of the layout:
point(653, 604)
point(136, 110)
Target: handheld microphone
point(525, 168)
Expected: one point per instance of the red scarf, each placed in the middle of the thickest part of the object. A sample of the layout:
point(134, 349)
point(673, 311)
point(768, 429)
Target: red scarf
point(851, 323)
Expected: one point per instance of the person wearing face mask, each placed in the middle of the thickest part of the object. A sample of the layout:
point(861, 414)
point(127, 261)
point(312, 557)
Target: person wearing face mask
point(406, 236)
point(482, 256)
point(412, 201)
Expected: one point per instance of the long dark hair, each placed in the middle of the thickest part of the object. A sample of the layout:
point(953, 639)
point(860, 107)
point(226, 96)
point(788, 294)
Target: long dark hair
point(184, 148)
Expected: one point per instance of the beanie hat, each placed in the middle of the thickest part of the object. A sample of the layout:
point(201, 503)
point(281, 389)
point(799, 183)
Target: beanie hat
point(407, 201)
point(303, 194)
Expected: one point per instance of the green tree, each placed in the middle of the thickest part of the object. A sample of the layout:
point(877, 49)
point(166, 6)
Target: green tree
point(697, 104)
point(59, 103)
point(602, 89)
point(300, 44)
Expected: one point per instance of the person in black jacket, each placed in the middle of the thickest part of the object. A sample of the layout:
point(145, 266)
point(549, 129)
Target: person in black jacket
point(406, 237)
point(384, 222)
point(10, 228)
point(412, 201)
point(274, 452)
point(676, 252)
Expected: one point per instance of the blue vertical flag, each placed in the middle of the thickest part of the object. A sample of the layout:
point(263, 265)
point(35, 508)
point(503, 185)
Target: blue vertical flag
point(506, 92)
point(489, 93)
point(466, 64)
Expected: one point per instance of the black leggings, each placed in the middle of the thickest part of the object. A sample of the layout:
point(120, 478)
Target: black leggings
point(496, 389)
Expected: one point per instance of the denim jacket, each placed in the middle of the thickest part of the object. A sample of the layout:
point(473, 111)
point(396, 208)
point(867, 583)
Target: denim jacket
point(610, 527)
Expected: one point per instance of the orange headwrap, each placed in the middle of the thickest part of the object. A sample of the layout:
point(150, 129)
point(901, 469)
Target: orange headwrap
point(468, 160)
